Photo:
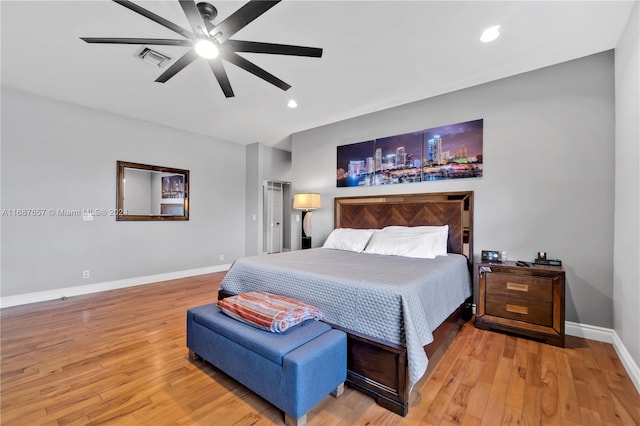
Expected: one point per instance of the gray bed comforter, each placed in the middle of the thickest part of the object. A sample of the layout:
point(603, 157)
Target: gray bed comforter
point(393, 298)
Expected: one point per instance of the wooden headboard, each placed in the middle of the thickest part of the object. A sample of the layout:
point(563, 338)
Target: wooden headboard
point(437, 208)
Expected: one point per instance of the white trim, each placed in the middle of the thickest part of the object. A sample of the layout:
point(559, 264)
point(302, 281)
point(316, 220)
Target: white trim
point(627, 360)
point(607, 335)
point(586, 331)
point(41, 296)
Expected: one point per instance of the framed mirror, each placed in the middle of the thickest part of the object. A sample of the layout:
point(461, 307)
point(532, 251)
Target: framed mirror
point(146, 192)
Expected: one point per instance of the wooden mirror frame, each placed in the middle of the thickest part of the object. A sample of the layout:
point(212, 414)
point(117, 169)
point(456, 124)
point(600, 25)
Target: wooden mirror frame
point(121, 210)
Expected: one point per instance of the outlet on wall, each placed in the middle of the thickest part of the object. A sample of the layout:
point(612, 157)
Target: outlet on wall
point(85, 274)
point(221, 257)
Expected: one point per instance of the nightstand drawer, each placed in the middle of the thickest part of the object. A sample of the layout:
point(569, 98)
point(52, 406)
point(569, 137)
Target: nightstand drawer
point(531, 311)
point(522, 286)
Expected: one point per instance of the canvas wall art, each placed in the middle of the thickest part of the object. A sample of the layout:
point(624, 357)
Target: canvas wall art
point(447, 152)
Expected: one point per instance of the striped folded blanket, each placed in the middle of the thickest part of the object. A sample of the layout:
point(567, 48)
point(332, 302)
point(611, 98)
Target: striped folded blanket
point(268, 311)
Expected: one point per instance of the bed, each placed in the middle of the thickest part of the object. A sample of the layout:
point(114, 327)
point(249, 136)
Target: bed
point(395, 309)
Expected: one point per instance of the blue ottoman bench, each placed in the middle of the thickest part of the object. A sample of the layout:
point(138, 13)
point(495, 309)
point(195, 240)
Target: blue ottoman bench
point(293, 371)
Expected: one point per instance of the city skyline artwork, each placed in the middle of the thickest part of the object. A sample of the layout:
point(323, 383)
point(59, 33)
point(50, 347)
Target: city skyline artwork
point(452, 151)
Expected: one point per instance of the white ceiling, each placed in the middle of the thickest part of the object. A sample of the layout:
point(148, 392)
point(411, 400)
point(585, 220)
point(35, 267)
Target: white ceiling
point(377, 54)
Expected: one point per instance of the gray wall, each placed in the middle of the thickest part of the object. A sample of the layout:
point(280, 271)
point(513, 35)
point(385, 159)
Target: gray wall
point(61, 156)
point(253, 215)
point(276, 164)
point(626, 267)
point(548, 161)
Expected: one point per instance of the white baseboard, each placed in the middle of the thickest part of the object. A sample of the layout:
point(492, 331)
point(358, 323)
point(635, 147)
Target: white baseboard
point(42, 296)
point(626, 359)
point(586, 331)
point(607, 335)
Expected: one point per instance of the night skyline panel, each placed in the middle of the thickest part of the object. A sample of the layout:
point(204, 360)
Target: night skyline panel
point(412, 143)
point(354, 152)
point(469, 134)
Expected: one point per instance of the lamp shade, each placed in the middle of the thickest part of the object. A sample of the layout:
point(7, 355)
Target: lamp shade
point(308, 201)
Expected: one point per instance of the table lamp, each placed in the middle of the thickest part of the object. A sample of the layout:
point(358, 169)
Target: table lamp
point(307, 202)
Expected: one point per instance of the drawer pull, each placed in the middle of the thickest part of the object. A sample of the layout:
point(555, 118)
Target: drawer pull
point(518, 287)
point(518, 309)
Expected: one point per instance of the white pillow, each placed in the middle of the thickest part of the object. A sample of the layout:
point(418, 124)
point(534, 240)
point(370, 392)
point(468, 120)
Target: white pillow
point(408, 244)
point(441, 231)
point(348, 239)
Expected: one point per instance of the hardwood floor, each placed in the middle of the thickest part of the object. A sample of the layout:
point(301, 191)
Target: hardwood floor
point(119, 357)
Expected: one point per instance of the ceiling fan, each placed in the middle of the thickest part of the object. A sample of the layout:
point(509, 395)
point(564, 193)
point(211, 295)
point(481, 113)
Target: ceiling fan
point(213, 41)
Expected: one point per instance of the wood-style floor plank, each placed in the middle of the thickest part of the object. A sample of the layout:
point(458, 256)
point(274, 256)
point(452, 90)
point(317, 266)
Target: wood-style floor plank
point(119, 358)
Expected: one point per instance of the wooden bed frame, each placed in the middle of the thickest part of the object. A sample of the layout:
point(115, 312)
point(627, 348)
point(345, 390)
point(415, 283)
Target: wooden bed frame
point(380, 368)
point(376, 367)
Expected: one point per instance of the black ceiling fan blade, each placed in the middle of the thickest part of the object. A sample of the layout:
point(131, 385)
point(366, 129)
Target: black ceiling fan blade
point(248, 66)
point(159, 19)
point(241, 17)
point(124, 40)
point(272, 48)
point(193, 15)
point(177, 66)
point(221, 75)
point(209, 26)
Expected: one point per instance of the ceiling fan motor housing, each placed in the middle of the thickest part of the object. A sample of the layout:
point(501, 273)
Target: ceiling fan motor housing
point(207, 11)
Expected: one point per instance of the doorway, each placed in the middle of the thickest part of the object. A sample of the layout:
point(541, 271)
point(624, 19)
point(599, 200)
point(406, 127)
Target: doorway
point(276, 216)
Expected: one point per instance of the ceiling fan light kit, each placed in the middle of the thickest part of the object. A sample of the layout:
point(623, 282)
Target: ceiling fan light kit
point(213, 41)
point(206, 48)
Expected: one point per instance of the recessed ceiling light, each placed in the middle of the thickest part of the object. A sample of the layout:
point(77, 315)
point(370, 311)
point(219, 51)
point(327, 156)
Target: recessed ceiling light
point(292, 103)
point(490, 34)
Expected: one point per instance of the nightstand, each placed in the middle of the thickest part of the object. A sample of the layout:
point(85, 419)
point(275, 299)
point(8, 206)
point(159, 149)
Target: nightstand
point(527, 301)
